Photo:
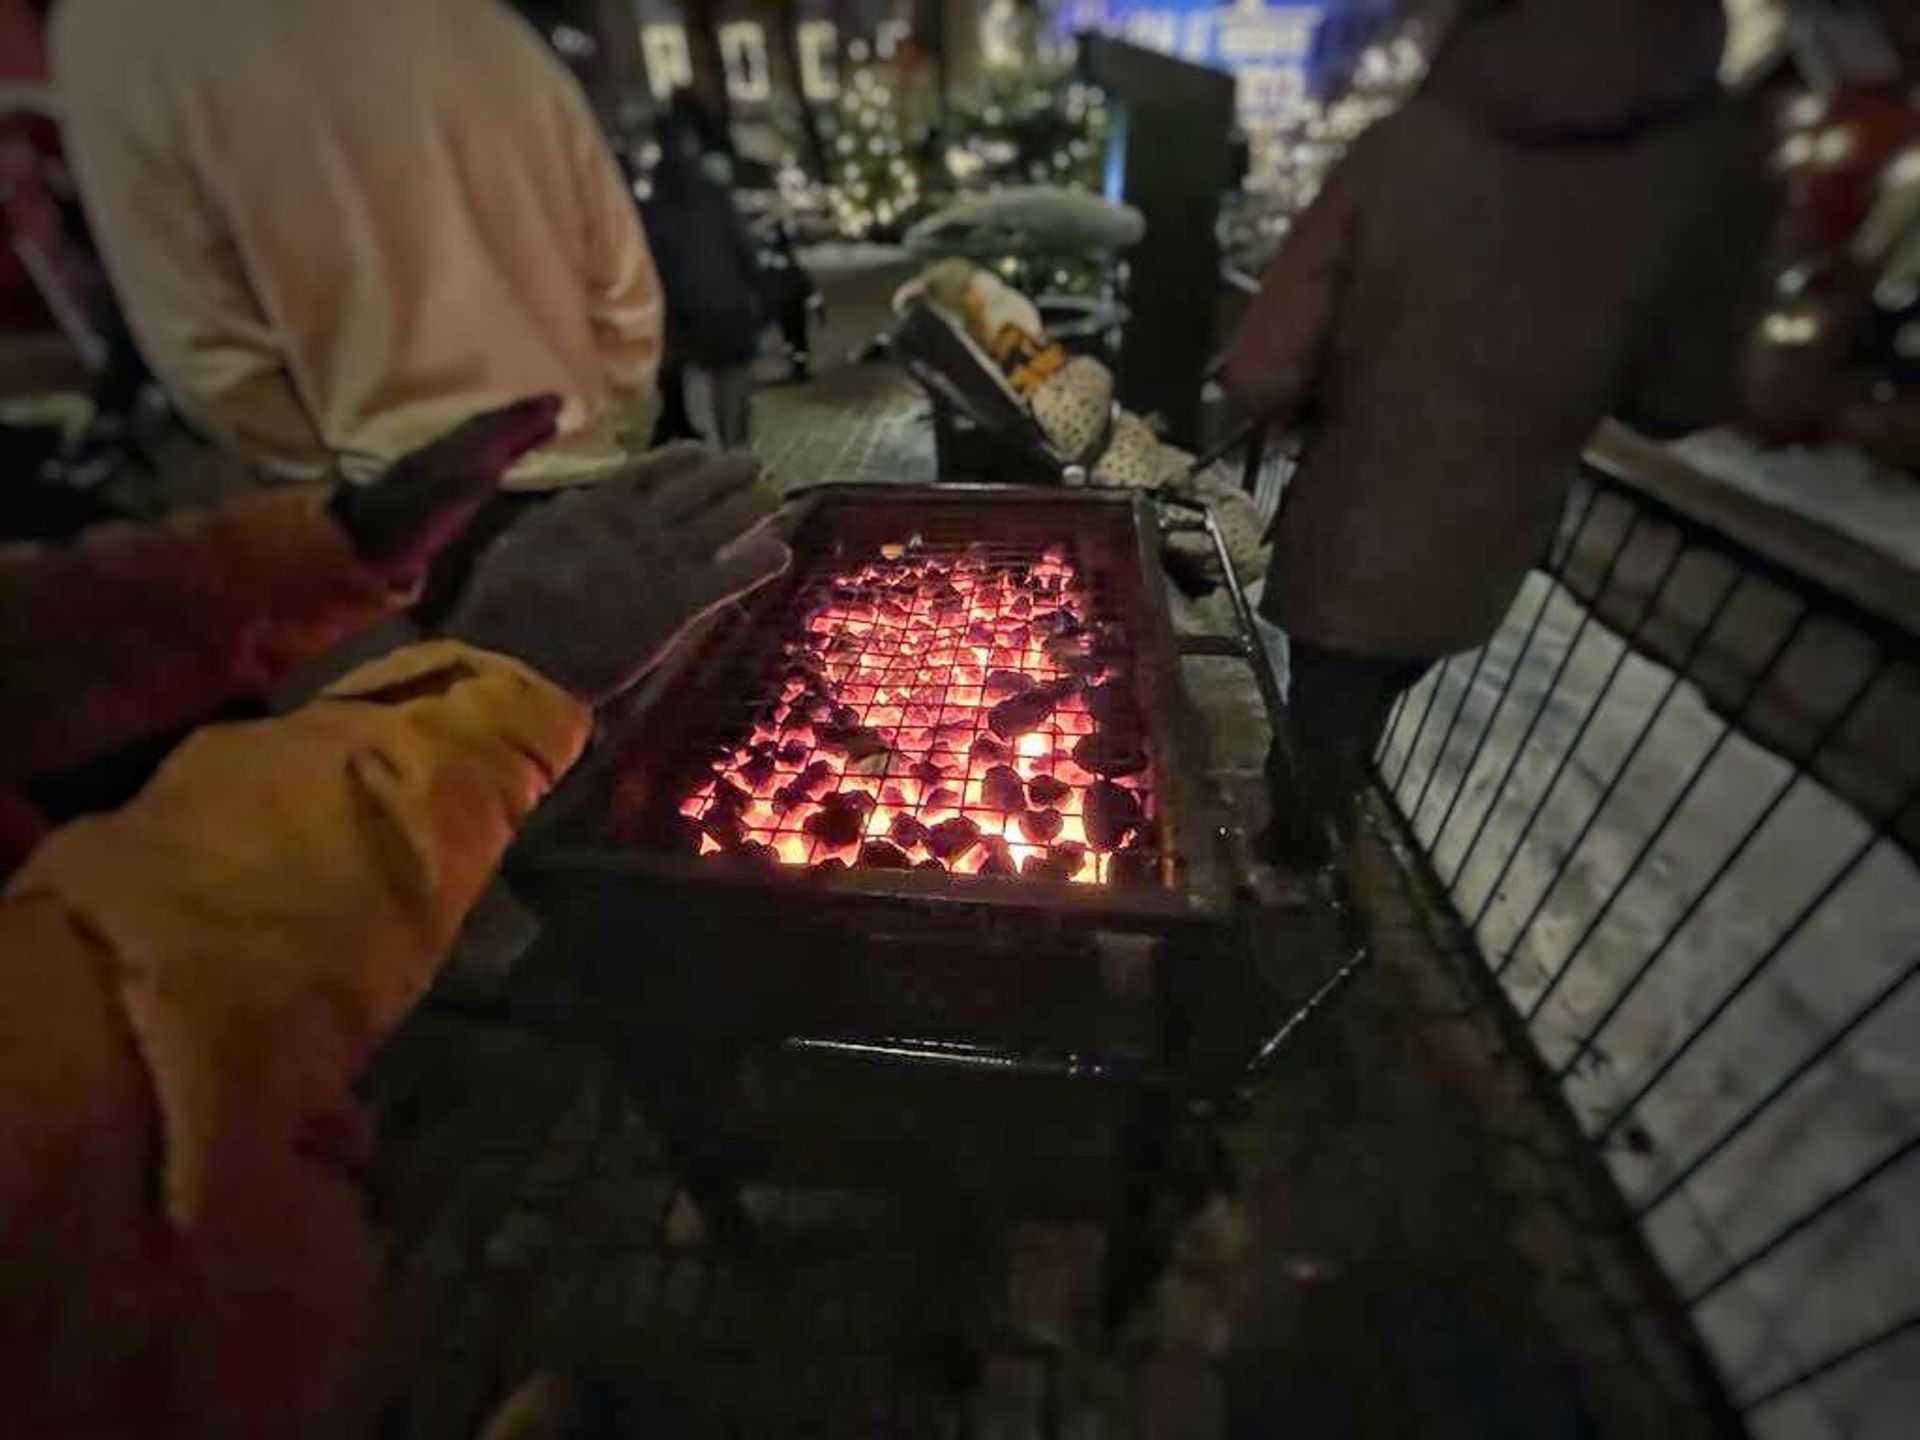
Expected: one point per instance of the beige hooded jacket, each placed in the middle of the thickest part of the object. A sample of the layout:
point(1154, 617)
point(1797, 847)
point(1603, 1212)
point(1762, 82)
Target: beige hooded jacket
point(342, 227)
point(1567, 223)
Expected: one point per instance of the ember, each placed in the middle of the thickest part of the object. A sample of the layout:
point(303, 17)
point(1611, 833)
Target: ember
point(961, 710)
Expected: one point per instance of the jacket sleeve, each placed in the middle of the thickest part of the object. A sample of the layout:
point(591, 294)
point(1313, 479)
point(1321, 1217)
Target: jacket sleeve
point(300, 875)
point(623, 287)
point(1281, 344)
point(192, 984)
point(140, 630)
point(174, 269)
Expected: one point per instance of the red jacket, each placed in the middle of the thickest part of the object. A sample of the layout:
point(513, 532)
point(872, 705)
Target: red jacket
point(139, 631)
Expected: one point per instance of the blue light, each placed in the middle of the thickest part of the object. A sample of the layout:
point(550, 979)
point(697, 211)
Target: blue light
point(1113, 180)
point(1283, 52)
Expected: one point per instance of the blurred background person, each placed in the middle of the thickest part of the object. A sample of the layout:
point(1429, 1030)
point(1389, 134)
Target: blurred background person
point(1837, 357)
point(1567, 222)
point(710, 269)
point(69, 372)
point(340, 227)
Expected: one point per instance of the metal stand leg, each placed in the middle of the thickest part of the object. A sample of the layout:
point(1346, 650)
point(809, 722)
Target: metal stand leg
point(1151, 1194)
point(677, 1035)
point(1137, 1240)
point(684, 1096)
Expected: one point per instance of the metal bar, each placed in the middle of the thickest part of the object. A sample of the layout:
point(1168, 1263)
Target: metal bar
point(1252, 1073)
point(1359, 947)
point(1539, 710)
point(1251, 650)
point(1439, 677)
point(1881, 999)
point(1814, 565)
point(1555, 562)
point(1275, 476)
point(1841, 874)
point(1867, 1343)
point(1066, 1065)
point(1803, 1221)
point(1225, 647)
point(1239, 280)
point(1253, 653)
point(1446, 739)
point(1493, 722)
point(1779, 797)
point(1390, 730)
point(1587, 613)
point(1256, 458)
point(1653, 717)
point(1732, 727)
point(1255, 434)
point(1159, 688)
point(1654, 596)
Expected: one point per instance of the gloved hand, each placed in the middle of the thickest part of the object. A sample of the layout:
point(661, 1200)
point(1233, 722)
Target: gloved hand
point(594, 589)
point(401, 521)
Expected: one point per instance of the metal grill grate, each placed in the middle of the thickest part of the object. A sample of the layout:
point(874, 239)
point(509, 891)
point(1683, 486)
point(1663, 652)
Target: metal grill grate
point(922, 697)
point(632, 823)
point(860, 720)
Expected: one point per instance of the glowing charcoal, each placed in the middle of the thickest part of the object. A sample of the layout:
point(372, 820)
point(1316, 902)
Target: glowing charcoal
point(961, 711)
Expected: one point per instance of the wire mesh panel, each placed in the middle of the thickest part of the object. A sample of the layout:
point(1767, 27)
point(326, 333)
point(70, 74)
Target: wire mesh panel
point(1676, 801)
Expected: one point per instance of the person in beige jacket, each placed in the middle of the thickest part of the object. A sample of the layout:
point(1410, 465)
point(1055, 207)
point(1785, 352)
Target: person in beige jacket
point(340, 227)
point(1567, 222)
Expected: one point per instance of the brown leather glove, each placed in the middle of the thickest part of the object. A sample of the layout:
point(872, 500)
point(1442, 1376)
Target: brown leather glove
point(594, 589)
point(401, 521)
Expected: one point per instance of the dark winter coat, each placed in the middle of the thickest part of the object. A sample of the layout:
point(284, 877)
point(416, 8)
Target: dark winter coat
point(1567, 223)
point(709, 268)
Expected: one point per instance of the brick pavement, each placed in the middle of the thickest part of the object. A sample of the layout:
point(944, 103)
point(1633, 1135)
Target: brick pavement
point(855, 425)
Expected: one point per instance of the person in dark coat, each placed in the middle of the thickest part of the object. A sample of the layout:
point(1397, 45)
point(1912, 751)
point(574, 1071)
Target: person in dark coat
point(710, 270)
point(1568, 222)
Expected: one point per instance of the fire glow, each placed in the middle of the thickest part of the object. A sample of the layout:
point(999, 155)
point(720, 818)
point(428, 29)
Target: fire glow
point(957, 710)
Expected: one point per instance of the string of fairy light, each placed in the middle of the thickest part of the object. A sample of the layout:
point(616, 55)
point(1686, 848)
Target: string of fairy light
point(1291, 160)
point(1037, 124)
point(1033, 127)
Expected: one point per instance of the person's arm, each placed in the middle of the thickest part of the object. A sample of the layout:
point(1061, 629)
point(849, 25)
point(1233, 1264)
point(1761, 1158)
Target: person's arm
point(624, 298)
point(141, 630)
point(173, 267)
point(136, 630)
point(1281, 344)
point(326, 856)
point(194, 982)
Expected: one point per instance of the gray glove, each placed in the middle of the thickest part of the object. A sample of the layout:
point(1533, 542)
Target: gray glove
point(594, 589)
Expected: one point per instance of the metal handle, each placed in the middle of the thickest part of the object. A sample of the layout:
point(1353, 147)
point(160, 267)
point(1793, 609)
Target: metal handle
point(1248, 648)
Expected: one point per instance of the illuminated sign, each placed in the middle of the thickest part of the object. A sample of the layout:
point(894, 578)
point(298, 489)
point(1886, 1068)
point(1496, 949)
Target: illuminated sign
point(669, 62)
point(1270, 49)
point(819, 44)
point(743, 55)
